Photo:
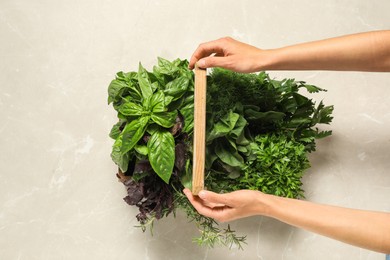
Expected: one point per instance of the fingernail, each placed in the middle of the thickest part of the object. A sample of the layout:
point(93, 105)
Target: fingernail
point(201, 63)
point(202, 194)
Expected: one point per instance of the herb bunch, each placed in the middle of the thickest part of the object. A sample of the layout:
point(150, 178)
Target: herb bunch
point(258, 134)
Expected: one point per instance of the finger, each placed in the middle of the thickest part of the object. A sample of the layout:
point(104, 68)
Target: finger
point(212, 205)
point(198, 204)
point(215, 61)
point(193, 199)
point(204, 50)
point(215, 198)
point(209, 204)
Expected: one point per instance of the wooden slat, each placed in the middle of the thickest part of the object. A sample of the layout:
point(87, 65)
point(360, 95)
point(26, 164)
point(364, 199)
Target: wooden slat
point(199, 131)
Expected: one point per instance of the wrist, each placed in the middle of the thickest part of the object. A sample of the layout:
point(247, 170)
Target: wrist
point(268, 60)
point(266, 205)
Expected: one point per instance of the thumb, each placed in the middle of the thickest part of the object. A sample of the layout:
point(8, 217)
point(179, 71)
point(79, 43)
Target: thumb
point(214, 198)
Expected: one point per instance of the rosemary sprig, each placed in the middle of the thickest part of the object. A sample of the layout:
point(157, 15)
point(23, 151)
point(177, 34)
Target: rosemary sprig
point(210, 232)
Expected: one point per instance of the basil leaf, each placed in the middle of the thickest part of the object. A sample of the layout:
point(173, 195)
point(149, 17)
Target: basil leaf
point(177, 87)
point(188, 114)
point(157, 102)
point(133, 132)
point(166, 67)
point(187, 111)
point(161, 147)
point(155, 84)
point(168, 100)
point(153, 128)
point(144, 82)
point(141, 149)
point(166, 119)
point(126, 76)
point(114, 90)
point(120, 159)
point(115, 130)
point(130, 109)
point(186, 179)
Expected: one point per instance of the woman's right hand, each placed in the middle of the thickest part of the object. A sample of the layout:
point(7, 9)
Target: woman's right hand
point(229, 206)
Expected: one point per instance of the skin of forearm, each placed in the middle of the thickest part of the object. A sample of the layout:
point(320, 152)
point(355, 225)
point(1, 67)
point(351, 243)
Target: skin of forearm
point(358, 52)
point(366, 229)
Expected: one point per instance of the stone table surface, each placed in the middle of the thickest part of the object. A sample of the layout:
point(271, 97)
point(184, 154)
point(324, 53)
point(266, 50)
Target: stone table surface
point(59, 197)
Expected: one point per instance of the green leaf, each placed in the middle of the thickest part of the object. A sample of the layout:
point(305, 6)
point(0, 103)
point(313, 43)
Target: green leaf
point(224, 126)
point(323, 134)
point(161, 147)
point(177, 87)
point(296, 122)
point(188, 114)
point(131, 109)
point(144, 82)
point(114, 89)
point(133, 132)
point(120, 159)
point(228, 155)
point(322, 114)
point(132, 93)
point(165, 119)
point(289, 105)
point(251, 114)
point(115, 130)
point(152, 128)
point(186, 178)
point(141, 149)
point(166, 67)
point(239, 127)
point(157, 102)
point(312, 88)
point(126, 76)
point(210, 157)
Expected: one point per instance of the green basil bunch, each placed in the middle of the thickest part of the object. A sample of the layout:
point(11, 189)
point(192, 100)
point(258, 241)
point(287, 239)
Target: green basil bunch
point(150, 103)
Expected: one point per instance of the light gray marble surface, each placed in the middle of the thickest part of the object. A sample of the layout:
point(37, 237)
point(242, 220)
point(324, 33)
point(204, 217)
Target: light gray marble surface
point(59, 198)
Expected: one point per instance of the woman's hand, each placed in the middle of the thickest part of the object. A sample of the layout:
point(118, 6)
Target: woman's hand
point(229, 54)
point(367, 229)
point(368, 51)
point(228, 206)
